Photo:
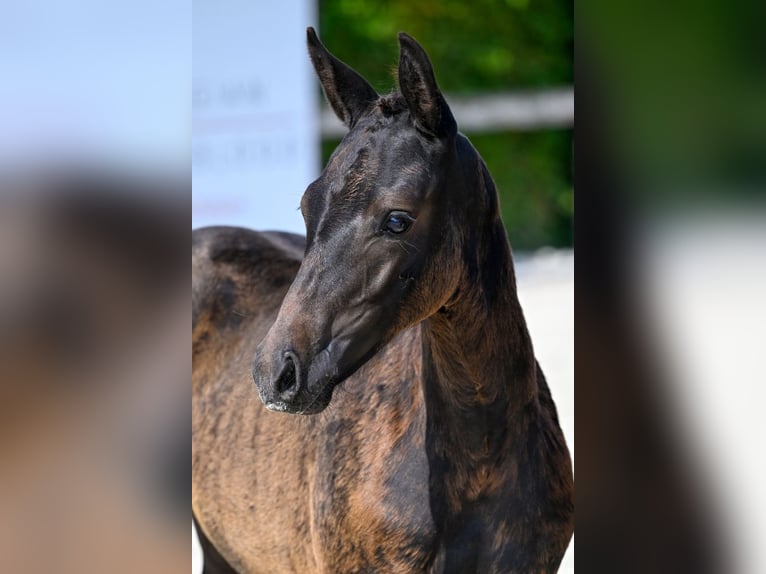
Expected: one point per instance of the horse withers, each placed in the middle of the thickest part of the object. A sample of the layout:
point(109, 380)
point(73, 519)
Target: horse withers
point(433, 443)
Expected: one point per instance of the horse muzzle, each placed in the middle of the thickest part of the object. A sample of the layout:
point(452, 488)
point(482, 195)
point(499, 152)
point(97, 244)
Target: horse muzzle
point(283, 385)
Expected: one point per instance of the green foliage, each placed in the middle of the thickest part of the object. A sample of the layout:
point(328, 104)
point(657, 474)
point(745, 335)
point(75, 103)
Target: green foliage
point(532, 171)
point(479, 46)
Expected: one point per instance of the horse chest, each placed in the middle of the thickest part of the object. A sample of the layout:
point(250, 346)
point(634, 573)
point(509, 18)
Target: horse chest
point(370, 503)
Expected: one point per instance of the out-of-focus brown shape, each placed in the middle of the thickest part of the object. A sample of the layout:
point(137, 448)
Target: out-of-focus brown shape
point(670, 132)
point(642, 505)
point(94, 371)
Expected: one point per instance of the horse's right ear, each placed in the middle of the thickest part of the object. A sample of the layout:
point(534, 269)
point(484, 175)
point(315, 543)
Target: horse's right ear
point(349, 93)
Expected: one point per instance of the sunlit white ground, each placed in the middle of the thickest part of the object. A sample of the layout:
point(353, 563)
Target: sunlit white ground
point(545, 282)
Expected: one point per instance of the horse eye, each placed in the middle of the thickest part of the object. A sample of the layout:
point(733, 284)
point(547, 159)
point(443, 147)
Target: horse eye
point(397, 222)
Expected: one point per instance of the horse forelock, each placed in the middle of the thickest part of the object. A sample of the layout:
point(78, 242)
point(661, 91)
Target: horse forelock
point(391, 104)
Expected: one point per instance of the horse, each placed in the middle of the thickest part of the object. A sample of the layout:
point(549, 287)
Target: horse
point(401, 422)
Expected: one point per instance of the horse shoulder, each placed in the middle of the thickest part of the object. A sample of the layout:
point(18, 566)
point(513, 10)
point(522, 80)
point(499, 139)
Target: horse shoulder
point(371, 495)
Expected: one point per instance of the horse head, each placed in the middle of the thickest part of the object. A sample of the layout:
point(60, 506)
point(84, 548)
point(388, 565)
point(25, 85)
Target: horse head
point(386, 222)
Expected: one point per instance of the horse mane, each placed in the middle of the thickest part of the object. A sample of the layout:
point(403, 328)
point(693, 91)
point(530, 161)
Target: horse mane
point(391, 104)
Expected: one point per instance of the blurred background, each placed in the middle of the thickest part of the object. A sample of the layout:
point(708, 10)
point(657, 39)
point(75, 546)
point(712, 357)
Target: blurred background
point(671, 273)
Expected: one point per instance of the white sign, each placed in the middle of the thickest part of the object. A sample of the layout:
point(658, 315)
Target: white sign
point(255, 113)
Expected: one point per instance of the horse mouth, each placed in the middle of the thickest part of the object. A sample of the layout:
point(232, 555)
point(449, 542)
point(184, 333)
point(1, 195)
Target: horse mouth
point(312, 408)
point(304, 405)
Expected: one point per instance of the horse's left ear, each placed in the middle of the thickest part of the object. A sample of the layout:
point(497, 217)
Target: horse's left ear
point(418, 85)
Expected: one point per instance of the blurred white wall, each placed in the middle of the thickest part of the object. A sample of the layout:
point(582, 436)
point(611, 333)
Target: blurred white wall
point(255, 113)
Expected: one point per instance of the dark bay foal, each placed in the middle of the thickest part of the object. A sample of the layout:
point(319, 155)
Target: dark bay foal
point(436, 447)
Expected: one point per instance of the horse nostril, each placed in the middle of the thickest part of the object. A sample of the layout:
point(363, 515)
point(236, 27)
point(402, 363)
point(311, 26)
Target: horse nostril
point(288, 382)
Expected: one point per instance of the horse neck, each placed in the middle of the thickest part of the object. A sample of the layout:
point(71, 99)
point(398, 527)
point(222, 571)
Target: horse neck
point(479, 373)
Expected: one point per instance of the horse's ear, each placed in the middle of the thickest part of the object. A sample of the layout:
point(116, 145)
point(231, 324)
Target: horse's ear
point(349, 93)
point(418, 86)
